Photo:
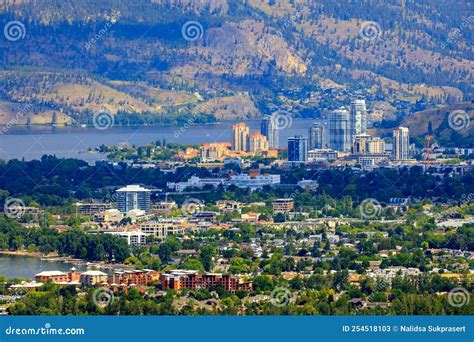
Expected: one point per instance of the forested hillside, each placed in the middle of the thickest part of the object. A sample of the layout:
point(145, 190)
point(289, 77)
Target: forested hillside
point(161, 61)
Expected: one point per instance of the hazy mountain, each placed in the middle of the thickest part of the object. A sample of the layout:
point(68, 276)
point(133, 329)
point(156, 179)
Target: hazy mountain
point(137, 60)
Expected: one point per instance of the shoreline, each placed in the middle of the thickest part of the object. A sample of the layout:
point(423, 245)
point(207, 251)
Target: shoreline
point(85, 126)
point(66, 259)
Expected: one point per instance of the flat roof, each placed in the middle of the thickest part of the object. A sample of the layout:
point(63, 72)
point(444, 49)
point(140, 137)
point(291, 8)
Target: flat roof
point(133, 188)
point(50, 274)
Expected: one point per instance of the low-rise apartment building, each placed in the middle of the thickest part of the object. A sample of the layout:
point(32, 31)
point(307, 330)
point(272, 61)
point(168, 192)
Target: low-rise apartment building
point(164, 227)
point(283, 205)
point(190, 279)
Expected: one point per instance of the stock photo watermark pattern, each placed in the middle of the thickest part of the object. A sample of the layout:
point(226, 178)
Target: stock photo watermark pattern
point(103, 297)
point(102, 32)
point(459, 297)
point(370, 208)
point(459, 120)
point(103, 120)
point(192, 31)
point(267, 162)
point(370, 30)
point(280, 296)
point(14, 31)
point(281, 120)
point(46, 330)
point(14, 208)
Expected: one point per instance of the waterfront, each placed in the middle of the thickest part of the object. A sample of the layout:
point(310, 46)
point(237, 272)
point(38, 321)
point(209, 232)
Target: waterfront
point(19, 266)
point(72, 142)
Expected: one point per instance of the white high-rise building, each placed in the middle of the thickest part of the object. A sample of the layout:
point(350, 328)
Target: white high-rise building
point(401, 143)
point(269, 128)
point(358, 117)
point(133, 197)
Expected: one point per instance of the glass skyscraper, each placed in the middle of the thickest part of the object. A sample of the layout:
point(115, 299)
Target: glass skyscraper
point(317, 136)
point(269, 128)
point(297, 149)
point(340, 137)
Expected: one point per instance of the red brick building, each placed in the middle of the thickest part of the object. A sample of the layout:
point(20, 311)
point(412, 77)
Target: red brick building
point(189, 279)
point(133, 277)
point(58, 277)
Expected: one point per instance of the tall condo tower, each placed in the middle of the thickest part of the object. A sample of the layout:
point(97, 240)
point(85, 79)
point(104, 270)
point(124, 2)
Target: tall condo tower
point(401, 143)
point(268, 128)
point(340, 137)
point(240, 137)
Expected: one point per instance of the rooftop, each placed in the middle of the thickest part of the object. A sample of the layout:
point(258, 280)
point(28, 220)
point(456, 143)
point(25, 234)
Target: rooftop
point(132, 188)
point(50, 274)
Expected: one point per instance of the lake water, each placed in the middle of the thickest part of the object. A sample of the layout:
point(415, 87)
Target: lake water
point(13, 266)
point(72, 142)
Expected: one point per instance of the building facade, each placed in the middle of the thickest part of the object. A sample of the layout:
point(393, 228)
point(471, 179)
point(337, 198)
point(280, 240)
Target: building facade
point(133, 197)
point(214, 151)
point(298, 149)
point(240, 137)
point(190, 279)
point(340, 137)
point(269, 128)
point(254, 182)
point(401, 143)
point(317, 136)
point(163, 228)
point(258, 142)
point(358, 117)
point(283, 205)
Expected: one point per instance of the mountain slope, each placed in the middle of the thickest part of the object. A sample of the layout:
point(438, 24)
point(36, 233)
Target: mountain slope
point(122, 54)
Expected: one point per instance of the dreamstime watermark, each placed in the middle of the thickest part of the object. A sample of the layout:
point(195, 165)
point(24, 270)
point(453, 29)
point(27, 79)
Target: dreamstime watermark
point(102, 32)
point(466, 199)
point(458, 120)
point(180, 131)
point(103, 120)
point(370, 30)
point(281, 119)
point(381, 286)
point(192, 30)
point(458, 297)
point(192, 205)
point(21, 113)
point(14, 30)
point(102, 297)
point(280, 296)
point(14, 208)
point(370, 208)
point(46, 330)
point(456, 34)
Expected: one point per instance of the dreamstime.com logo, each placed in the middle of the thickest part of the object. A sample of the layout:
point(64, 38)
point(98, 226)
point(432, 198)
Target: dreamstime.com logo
point(458, 120)
point(14, 30)
point(14, 208)
point(370, 30)
point(280, 296)
point(192, 30)
point(458, 297)
point(192, 205)
point(370, 208)
point(103, 120)
point(102, 297)
point(46, 330)
point(281, 119)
